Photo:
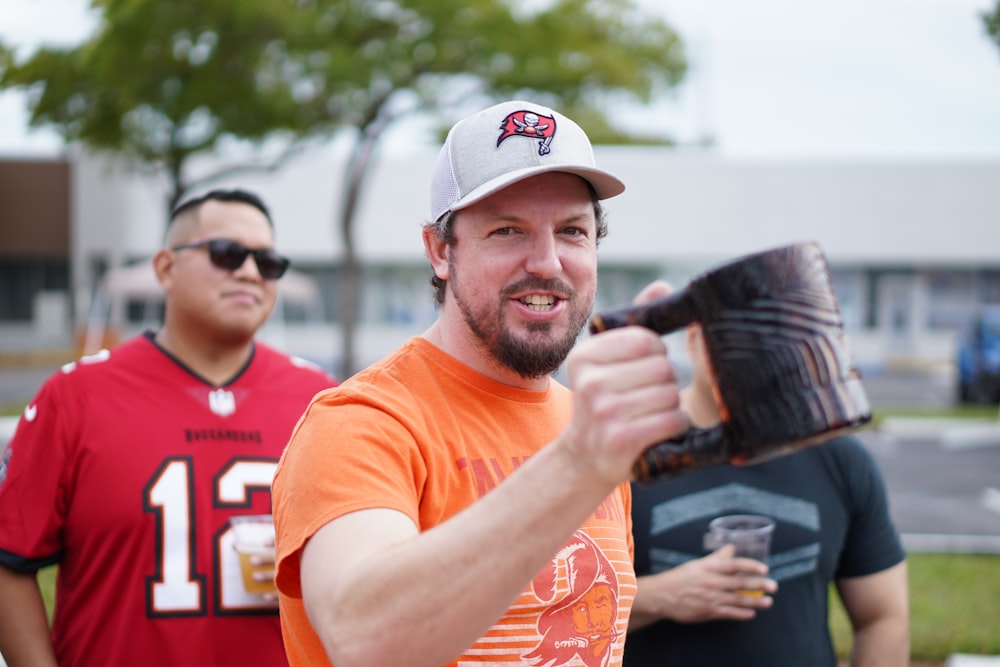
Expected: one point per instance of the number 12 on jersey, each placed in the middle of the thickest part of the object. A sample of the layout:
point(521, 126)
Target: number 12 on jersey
point(177, 588)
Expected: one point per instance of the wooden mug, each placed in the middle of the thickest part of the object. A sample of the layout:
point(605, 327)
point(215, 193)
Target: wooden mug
point(776, 345)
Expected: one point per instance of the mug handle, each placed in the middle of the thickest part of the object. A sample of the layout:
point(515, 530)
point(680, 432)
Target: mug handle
point(664, 315)
point(693, 449)
point(696, 448)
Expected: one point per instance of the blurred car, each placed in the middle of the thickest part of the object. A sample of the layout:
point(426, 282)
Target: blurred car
point(978, 358)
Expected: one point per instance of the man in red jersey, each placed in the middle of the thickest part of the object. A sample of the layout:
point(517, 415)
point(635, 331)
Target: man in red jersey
point(126, 467)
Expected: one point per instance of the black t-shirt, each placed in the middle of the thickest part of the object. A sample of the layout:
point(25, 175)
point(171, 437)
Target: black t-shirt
point(832, 521)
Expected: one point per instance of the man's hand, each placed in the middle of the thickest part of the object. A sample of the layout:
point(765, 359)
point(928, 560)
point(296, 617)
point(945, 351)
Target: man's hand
point(654, 290)
point(263, 574)
point(625, 395)
point(263, 568)
point(625, 399)
point(706, 589)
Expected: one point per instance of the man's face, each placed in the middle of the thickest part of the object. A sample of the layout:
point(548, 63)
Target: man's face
point(523, 271)
point(228, 306)
point(594, 617)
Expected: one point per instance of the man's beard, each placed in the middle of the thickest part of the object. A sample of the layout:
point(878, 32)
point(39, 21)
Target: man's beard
point(531, 359)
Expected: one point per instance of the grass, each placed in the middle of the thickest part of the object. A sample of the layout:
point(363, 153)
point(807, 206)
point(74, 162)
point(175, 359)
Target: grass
point(955, 412)
point(47, 582)
point(953, 607)
point(12, 409)
point(953, 597)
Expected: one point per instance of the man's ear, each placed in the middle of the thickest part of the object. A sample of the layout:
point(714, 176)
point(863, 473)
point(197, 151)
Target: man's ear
point(437, 252)
point(163, 266)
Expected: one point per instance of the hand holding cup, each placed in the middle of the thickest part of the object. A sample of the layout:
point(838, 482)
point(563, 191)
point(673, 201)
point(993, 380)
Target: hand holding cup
point(749, 535)
point(254, 542)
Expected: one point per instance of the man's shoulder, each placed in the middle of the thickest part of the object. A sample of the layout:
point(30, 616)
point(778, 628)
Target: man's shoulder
point(97, 364)
point(847, 448)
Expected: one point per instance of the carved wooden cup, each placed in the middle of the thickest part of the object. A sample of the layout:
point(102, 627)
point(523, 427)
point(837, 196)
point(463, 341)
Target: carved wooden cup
point(778, 352)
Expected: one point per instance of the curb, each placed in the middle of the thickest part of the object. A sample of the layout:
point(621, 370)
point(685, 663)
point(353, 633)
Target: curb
point(967, 660)
point(941, 543)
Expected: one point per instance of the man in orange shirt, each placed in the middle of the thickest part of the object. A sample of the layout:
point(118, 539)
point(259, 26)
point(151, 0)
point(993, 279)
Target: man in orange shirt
point(454, 504)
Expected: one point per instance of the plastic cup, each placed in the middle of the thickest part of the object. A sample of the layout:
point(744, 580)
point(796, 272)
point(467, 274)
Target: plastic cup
point(750, 535)
point(254, 538)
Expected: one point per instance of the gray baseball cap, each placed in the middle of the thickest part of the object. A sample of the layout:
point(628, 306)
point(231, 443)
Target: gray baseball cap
point(507, 143)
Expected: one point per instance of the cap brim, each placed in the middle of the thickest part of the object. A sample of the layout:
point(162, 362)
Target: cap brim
point(605, 185)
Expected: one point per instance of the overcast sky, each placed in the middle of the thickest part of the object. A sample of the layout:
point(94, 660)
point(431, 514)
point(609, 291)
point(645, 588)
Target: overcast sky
point(769, 78)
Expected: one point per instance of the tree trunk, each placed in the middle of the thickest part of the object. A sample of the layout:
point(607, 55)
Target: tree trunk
point(350, 287)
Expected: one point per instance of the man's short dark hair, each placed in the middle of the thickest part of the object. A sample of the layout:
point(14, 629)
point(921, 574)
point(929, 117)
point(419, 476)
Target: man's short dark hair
point(234, 195)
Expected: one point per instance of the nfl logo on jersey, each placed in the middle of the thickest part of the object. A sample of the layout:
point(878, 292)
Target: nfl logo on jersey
point(222, 402)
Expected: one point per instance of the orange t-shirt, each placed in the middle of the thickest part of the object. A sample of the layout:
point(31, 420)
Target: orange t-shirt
point(423, 434)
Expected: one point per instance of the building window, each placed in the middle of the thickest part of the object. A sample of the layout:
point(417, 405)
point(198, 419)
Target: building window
point(849, 286)
point(618, 285)
point(950, 298)
point(20, 282)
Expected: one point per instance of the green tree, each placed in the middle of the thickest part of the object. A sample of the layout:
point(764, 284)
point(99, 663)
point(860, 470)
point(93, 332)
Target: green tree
point(449, 56)
point(163, 80)
point(991, 20)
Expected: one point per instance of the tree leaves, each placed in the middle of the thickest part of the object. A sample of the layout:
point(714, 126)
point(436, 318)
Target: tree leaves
point(162, 81)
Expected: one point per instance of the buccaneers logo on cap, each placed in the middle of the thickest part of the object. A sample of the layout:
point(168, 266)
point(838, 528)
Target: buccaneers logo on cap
point(529, 124)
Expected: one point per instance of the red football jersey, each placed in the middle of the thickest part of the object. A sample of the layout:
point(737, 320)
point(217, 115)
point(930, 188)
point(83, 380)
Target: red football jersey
point(124, 470)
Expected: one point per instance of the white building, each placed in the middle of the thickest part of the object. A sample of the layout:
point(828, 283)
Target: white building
point(913, 246)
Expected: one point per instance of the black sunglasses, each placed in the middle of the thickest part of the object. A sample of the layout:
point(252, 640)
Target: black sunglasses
point(230, 255)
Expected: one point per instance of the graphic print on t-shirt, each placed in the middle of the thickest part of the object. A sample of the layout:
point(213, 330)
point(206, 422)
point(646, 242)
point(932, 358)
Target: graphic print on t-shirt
point(735, 498)
point(583, 623)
